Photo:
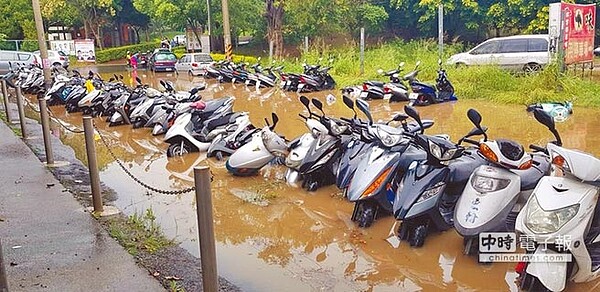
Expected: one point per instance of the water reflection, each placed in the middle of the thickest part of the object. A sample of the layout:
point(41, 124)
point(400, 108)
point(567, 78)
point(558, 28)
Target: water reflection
point(305, 241)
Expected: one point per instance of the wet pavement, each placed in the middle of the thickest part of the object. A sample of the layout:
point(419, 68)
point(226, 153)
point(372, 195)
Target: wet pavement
point(300, 241)
point(49, 243)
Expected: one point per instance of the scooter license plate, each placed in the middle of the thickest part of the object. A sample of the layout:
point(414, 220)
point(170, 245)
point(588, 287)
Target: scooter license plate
point(387, 96)
point(301, 85)
point(364, 94)
point(169, 69)
point(413, 96)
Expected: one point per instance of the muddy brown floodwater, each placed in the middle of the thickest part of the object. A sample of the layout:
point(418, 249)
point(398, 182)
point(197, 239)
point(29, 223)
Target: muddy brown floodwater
point(305, 241)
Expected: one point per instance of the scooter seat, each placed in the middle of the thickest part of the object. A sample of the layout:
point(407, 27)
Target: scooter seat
point(221, 121)
point(423, 85)
point(375, 83)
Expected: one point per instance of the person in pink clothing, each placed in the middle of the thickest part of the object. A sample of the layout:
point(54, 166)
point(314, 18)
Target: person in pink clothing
point(134, 61)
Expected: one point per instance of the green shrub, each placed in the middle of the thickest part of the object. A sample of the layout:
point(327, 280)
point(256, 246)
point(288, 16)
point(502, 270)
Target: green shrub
point(120, 52)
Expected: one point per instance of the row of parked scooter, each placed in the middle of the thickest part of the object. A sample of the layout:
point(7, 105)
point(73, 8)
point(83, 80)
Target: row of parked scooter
point(187, 122)
point(396, 90)
point(430, 183)
point(313, 78)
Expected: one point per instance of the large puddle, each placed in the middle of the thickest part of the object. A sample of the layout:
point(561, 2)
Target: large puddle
point(305, 241)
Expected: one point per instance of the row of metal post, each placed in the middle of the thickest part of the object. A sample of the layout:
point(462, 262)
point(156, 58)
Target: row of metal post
point(201, 178)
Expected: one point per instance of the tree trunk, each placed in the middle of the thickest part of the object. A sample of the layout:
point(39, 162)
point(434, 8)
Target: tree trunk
point(147, 35)
point(274, 15)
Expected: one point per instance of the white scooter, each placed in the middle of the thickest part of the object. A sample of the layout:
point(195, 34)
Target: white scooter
point(262, 149)
point(300, 147)
point(562, 207)
point(497, 190)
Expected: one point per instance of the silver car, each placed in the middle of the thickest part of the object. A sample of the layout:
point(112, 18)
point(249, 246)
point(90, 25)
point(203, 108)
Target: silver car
point(519, 52)
point(14, 58)
point(194, 63)
point(56, 58)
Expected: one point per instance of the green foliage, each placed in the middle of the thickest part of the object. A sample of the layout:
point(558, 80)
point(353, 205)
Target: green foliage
point(484, 82)
point(139, 232)
point(120, 52)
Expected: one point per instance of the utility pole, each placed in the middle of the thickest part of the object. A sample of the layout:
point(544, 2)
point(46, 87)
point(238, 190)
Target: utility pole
point(39, 26)
point(208, 13)
point(226, 29)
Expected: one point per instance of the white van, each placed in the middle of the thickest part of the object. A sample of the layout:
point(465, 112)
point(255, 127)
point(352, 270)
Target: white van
point(520, 52)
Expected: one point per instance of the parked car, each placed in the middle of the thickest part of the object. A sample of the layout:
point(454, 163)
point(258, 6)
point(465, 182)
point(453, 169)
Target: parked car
point(162, 60)
point(56, 58)
point(194, 63)
point(520, 52)
point(13, 57)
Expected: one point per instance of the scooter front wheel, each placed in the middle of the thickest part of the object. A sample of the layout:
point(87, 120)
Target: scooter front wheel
point(418, 234)
point(178, 149)
point(365, 213)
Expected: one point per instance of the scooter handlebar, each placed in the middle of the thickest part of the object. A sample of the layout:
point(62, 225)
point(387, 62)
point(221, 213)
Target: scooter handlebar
point(537, 148)
point(471, 141)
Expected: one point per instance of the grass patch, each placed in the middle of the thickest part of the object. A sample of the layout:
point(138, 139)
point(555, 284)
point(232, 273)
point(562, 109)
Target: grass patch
point(139, 232)
point(485, 82)
point(16, 130)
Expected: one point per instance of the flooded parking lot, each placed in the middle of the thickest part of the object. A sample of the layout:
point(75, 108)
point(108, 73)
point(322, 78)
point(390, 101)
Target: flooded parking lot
point(296, 240)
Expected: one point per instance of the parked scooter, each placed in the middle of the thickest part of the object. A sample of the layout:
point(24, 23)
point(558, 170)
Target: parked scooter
point(562, 207)
point(425, 94)
point(300, 146)
point(427, 193)
point(265, 146)
point(393, 91)
point(496, 191)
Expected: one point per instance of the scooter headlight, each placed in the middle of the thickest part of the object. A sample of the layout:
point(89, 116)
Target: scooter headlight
point(543, 222)
point(484, 184)
point(336, 129)
point(439, 153)
point(431, 192)
point(387, 139)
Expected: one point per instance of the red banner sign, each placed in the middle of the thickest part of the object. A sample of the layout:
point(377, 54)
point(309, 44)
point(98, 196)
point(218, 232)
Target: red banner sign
point(578, 32)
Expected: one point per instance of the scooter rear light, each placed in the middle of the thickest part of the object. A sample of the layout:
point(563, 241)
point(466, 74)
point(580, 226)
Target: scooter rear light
point(194, 65)
point(365, 87)
point(386, 89)
point(302, 80)
point(283, 77)
point(520, 267)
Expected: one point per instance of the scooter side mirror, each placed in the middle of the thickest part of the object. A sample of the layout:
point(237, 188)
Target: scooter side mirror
point(304, 100)
point(401, 64)
point(545, 119)
point(348, 102)
point(318, 104)
point(440, 62)
point(417, 64)
point(275, 120)
point(121, 76)
point(474, 117)
point(380, 71)
point(111, 79)
point(162, 82)
point(363, 106)
point(139, 80)
point(412, 112)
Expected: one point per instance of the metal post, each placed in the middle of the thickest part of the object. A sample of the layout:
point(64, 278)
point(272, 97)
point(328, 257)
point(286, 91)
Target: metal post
point(3, 280)
point(5, 96)
point(208, 13)
point(90, 148)
point(270, 51)
point(206, 233)
point(17, 44)
point(46, 130)
point(441, 29)
point(21, 112)
point(362, 50)
point(39, 26)
point(305, 44)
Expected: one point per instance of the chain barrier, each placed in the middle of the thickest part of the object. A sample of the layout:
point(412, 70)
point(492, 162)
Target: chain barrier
point(58, 121)
point(31, 106)
point(120, 163)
